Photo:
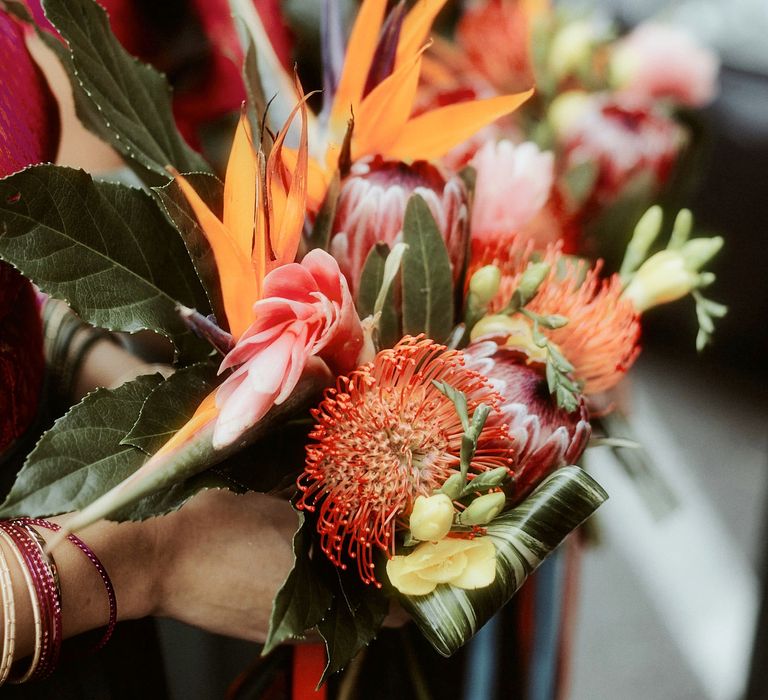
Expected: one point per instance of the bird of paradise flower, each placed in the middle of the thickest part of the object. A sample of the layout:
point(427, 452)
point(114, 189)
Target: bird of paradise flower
point(377, 87)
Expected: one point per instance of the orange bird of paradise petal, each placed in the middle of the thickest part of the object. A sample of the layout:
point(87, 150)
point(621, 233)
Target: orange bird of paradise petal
point(384, 121)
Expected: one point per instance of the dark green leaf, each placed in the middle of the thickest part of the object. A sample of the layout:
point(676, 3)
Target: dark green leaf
point(178, 210)
point(122, 100)
point(105, 249)
point(170, 405)
point(427, 277)
point(371, 280)
point(304, 598)
point(323, 227)
point(523, 536)
point(353, 621)
point(81, 457)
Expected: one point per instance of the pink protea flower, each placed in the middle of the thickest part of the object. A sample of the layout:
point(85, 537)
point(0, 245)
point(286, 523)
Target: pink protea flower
point(624, 138)
point(656, 61)
point(306, 310)
point(386, 435)
point(372, 205)
point(545, 437)
point(513, 184)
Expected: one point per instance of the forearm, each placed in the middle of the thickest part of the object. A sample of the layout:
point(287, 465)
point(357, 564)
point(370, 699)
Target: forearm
point(125, 550)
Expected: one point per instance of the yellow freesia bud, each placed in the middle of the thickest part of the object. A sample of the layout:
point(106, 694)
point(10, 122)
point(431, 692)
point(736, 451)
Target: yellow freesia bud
point(664, 277)
point(566, 109)
point(570, 49)
point(462, 563)
point(431, 517)
point(517, 330)
point(483, 509)
point(485, 283)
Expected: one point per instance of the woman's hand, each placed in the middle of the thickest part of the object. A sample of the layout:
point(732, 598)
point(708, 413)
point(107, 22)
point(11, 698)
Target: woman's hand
point(220, 560)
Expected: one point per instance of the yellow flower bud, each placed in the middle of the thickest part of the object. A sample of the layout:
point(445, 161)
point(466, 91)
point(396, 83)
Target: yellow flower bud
point(431, 517)
point(570, 49)
point(516, 329)
point(462, 563)
point(485, 283)
point(483, 509)
point(664, 277)
point(566, 109)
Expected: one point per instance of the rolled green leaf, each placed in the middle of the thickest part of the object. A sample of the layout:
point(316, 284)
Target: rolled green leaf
point(524, 536)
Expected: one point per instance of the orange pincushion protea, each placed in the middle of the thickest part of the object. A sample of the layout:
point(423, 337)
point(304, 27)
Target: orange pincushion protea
point(603, 330)
point(386, 435)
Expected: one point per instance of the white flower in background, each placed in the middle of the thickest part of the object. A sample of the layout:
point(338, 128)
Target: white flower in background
point(657, 61)
point(513, 184)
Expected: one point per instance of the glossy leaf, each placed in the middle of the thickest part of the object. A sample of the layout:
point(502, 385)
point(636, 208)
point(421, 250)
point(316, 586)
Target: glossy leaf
point(105, 249)
point(427, 277)
point(303, 599)
point(353, 620)
point(124, 101)
point(523, 536)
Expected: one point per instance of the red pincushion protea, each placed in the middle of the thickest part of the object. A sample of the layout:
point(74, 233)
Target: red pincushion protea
point(386, 435)
point(372, 207)
point(545, 436)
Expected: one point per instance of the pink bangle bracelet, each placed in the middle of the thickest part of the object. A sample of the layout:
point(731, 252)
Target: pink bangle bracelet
point(82, 546)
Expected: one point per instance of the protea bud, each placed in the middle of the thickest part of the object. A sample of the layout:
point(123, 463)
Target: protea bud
point(372, 205)
point(545, 436)
point(624, 139)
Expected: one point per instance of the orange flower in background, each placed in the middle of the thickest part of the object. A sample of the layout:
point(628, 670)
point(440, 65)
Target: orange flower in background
point(496, 36)
point(386, 435)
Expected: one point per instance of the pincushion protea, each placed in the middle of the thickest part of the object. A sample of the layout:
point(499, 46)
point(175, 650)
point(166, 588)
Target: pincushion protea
point(603, 329)
point(385, 435)
point(545, 437)
point(372, 205)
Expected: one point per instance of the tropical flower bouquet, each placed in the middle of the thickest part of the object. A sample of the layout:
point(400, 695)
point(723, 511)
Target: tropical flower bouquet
point(362, 320)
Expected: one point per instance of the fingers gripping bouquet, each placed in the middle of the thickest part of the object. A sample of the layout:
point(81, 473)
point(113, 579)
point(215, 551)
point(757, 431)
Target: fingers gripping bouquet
point(343, 290)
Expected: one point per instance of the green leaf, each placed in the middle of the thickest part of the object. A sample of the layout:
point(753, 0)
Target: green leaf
point(353, 620)
point(170, 405)
point(197, 454)
point(124, 101)
point(180, 213)
point(323, 226)
point(371, 280)
point(254, 90)
point(81, 457)
point(523, 536)
point(579, 181)
point(105, 249)
point(304, 598)
point(427, 278)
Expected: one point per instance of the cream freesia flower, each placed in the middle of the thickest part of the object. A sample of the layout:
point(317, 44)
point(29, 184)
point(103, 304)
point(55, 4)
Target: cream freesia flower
point(431, 517)
point(462, 563)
